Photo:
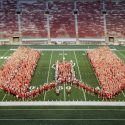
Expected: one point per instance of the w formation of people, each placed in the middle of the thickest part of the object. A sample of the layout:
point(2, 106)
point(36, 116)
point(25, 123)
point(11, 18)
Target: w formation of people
point(16, 73)
point(64, 72)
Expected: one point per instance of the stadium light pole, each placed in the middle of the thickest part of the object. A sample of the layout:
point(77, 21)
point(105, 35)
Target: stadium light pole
point(105, 23)
point(48, 22)
point(76, 21)
point(1, 4)
point(18, 12)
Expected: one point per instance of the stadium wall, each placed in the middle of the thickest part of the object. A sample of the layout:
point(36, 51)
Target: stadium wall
point(63, 41)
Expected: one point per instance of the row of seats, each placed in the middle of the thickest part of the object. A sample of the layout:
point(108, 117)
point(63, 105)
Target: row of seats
point(62, 20)
point(90, 19)
point(116, 18)
point(33, 20)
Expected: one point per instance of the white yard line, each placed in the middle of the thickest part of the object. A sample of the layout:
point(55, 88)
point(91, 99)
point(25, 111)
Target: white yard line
point(5, 53)
point(62, 119)
point(121, 54)
point(3, 56)
point(68, 49)
point(120, 50)
point(3, 50)
point(62, 103)
point(64, 92)
point(4, 97)
point(63, 56)
point(48, 72)
point(79, 74)
point(64, 109)
point(123, 93)
point(64, 84)
point(124, 58)
point(113, 48)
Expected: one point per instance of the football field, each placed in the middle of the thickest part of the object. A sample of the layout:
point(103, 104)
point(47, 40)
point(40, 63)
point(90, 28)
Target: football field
point(44, 72)
point(62, 115)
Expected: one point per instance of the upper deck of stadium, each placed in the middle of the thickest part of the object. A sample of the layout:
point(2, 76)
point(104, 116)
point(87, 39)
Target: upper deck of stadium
point(62, 19)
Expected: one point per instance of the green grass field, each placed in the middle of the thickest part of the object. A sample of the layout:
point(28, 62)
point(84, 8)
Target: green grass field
point(44, 72)
point(62, 115)
point(66, 115)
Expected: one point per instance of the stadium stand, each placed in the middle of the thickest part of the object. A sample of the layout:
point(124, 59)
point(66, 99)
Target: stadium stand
point(62, 19)
point(90, 19)
point(116, 18)
point(8, 18)
point(32, 18)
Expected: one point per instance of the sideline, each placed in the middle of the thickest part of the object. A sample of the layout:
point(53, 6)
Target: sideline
point(62, 103)
point(68, 49)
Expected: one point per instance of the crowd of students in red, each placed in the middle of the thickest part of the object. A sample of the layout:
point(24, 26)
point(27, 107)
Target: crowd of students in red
point(40, 90)
point(109, 69)
point(65, 73)
point(16, 73)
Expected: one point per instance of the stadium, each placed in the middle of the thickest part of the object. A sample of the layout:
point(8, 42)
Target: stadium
point(62, 62)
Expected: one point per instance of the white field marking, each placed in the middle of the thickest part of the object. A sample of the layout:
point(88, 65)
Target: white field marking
point(62, 119)
point(124, 58)
point(30, 99)
point(121, 54)
point(63, 55)
point(64, 84)
point(62, 103)
point(60, 54)
point(120, 50)
point(48, 72)
point(114, 48)
point(79, 74)
point(3, 56)
point(123, 93)
point(4, 97)
point(92, 68)
point(5, 53)
point(66, 109)
point(68, 49)
point(3, 50)
point(64, 92)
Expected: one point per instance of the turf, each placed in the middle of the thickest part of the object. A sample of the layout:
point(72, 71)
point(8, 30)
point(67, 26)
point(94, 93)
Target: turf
point(62, 115)
point(58, 115)
point(44, 72)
